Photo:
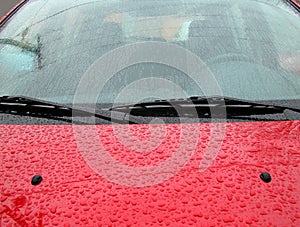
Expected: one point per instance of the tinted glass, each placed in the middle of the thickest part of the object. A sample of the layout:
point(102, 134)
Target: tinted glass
point(251, 47)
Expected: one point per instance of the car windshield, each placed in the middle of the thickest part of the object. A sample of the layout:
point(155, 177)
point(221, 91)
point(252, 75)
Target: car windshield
point(251, 47)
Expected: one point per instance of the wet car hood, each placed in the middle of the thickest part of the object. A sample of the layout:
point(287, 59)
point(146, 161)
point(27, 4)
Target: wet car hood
point(74, 192)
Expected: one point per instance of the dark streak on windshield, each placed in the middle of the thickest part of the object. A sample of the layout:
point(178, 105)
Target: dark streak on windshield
point(62, 11)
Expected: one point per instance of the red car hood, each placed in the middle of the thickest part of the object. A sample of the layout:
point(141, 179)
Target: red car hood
point(74, 191)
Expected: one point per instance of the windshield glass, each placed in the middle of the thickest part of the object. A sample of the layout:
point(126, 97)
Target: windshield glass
point(252, 48)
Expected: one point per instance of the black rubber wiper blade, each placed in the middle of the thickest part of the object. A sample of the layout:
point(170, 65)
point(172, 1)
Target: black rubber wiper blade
point(241, 107)
point(203, 105)
point(27, 106)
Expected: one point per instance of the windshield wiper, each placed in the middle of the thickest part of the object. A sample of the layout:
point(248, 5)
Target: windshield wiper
point(204, 106)
point(26, 106)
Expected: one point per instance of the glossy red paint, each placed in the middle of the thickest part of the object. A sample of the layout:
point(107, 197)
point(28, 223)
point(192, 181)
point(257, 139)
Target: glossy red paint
point(230, 192)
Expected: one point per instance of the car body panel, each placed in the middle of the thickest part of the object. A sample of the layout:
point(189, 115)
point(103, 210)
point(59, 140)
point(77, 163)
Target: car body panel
point(229, 192)
point(295, 3)
point(12, 11)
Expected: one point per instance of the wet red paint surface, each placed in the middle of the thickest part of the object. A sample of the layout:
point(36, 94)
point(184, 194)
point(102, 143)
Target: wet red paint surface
point(230, 192)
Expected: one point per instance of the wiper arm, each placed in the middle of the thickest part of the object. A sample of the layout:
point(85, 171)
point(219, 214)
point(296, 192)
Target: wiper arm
point(204, 106)
point(26, 106)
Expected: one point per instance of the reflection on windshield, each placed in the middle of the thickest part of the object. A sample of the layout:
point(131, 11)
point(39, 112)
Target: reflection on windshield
point(170, 27)
point(291, 62)
point(16, 61)
point(20, 56)
point(250, 47)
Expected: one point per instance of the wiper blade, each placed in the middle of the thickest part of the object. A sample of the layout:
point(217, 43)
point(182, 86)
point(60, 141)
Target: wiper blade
point(203, 105)
point(26, 106)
